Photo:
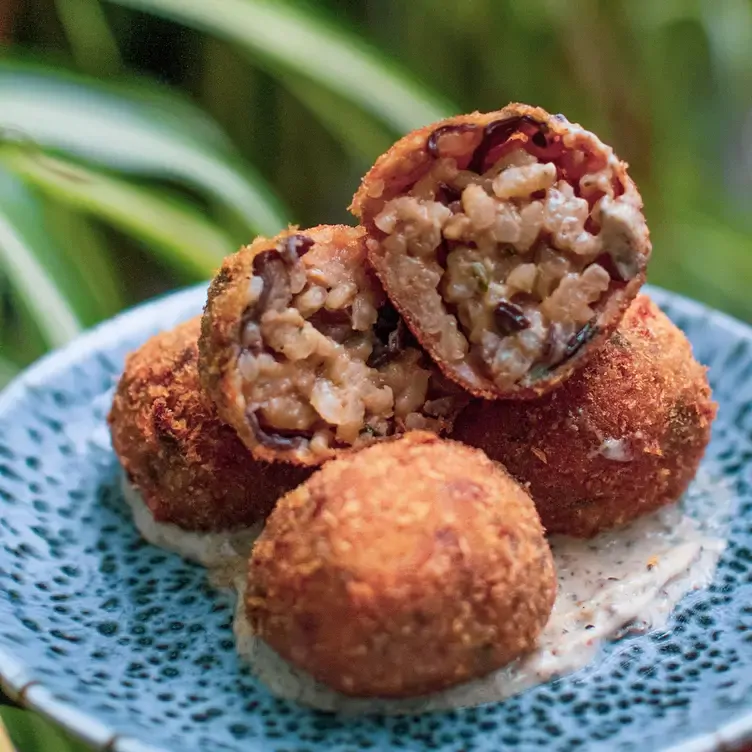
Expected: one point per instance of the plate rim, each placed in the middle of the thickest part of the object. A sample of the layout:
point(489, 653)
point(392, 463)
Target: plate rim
point(34, 694)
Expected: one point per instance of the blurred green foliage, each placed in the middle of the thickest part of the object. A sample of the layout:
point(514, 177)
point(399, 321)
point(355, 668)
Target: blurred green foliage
point(30, 732)
point(140, 140)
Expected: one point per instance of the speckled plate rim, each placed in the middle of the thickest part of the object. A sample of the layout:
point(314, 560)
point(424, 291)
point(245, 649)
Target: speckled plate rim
point(34, 695)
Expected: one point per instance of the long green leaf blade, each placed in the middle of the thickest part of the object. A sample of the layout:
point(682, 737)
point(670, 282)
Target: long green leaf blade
point(89, 36)
point(19, 251)
point(181, 234)
point(85, 251)
point(69, 249)
point(293, 39)
point(136, 129)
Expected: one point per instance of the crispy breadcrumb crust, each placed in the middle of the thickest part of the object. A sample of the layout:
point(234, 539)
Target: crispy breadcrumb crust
point(191, 469)
point(621, 438)
point(403, 569)
point(398, 169)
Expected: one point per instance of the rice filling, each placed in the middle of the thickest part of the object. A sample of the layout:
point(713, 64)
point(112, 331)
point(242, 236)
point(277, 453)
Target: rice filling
point(510, 242)
point(325, 361)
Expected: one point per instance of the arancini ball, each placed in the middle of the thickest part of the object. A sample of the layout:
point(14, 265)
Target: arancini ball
point(306, 358)
point(403, 569)
point(622, 437)
point(511, 242)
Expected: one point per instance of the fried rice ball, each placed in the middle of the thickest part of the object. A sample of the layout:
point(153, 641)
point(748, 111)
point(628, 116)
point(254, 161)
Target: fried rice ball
point(305, 357)
point(622, 437)
point(406, 568)
point(190, 468)
point(511, 242)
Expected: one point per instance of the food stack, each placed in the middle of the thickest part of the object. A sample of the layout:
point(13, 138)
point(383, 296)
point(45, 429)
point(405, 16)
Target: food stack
point(489, 297)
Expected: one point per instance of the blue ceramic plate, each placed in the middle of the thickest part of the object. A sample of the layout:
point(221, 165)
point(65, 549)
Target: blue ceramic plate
point(131, 649)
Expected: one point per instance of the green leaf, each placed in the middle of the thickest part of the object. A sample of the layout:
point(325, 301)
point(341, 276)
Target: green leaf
point(361, 136)
point(135, 128)
point(294, 39)
point(71, 251)
point(175, 229)
point(21, 247)
point(30, 732)
point(86, 257)
point(91, 41)
point(8, 371)
point(729, 30)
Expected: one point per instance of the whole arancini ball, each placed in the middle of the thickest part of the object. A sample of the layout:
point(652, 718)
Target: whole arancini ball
point(406, 568)
point(622, 437)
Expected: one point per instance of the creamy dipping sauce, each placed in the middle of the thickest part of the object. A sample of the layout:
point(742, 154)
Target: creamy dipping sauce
point(627, 578)
point(212, 550)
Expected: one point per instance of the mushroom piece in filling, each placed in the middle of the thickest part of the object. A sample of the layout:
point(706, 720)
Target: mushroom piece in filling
point(511, 242)
point(304, 355)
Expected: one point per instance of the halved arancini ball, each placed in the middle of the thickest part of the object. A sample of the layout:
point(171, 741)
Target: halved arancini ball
point(403, 569)
point(511, 242)
point(306, 358)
